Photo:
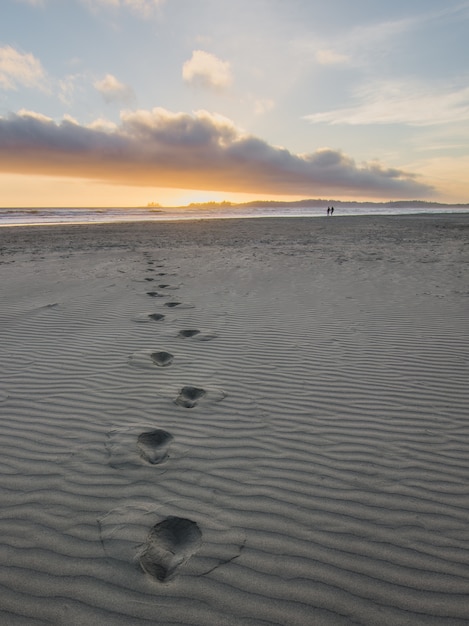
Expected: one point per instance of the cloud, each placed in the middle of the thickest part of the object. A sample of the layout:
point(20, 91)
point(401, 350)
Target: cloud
point(206, 70)
point(159, 148)
point(19, 69)
point(365, 44)
point(113, 90)
point(356, 46)
point(401, 102)
point(141, 8)
point(331, 57)
point(68, 87)
point(263, 106)
point(33, 115)
point(33, 3)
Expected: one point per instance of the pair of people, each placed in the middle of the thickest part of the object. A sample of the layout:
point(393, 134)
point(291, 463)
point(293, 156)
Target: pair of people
point(330, 210)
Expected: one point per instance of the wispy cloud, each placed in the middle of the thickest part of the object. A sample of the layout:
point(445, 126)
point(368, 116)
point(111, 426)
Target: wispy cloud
point(141, 8)
point(199, 151)
point(263, 105)
point(33, 3)
point(113, 90)
point(20, 69)
point(206, 70)
point(361, 45)
point(357, 46)
point(365, 39)
point(401, 102)
point(68, 86)
point(326, 56)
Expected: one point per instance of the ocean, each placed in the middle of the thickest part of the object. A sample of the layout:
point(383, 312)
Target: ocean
point(67, 215)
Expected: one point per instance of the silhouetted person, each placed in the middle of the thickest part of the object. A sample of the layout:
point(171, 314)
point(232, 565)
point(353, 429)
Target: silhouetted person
point(332, 210)
point(328, 210)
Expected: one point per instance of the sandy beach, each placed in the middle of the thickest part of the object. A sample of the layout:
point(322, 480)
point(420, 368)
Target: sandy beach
point(235, 422)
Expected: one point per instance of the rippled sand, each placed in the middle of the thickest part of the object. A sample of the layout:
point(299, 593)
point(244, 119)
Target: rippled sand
point(236, 422)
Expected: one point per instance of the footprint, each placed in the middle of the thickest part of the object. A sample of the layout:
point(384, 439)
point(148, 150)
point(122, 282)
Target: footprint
point(178, 305)
point(170, 544)
point(151, 359)
point(156, 316)
point(133, 445)
point(168, 287)
point(189, 396)
point(188, 333)
point(201, 336)
point(163, 541)
point(163, 359)
point(155, 294)
point(149, 279)
point(145, 318)
point(153, 445)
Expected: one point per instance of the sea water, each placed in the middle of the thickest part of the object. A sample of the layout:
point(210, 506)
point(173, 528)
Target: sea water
point(42, 216)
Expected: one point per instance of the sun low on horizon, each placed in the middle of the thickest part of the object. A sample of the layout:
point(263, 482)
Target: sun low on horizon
point(131, 102)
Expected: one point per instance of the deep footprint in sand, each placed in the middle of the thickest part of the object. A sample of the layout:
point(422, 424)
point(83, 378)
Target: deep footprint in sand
point(155, 294)
point(166, 540)
point(151, 359)
point(133, 445)
point(198, 334)
point(189, 396)
point(188, 333)
point(178, 305)
point(162, 359)
point(153, 445)
point(157, 317)
point(170, 544)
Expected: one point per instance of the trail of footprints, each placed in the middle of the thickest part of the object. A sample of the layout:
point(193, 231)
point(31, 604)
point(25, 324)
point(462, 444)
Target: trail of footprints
point(171, 542)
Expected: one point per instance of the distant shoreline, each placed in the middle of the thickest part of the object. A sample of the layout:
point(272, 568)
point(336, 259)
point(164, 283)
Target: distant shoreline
point(306, 203)
point(321, 202)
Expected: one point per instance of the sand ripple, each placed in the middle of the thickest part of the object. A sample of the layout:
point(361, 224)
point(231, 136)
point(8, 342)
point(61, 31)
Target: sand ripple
point(290, 448)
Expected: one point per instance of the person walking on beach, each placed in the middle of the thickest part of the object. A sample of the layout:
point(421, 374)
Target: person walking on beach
point(332, 210)
point(328, 210)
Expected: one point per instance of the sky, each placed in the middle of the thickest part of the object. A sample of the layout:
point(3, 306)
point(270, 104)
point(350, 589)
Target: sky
point(128, 102)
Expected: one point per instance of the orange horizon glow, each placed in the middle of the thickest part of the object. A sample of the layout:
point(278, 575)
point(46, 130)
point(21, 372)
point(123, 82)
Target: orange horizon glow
point(23, 191)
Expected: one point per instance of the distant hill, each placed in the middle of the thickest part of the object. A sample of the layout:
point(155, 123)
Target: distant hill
point(321, 202)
